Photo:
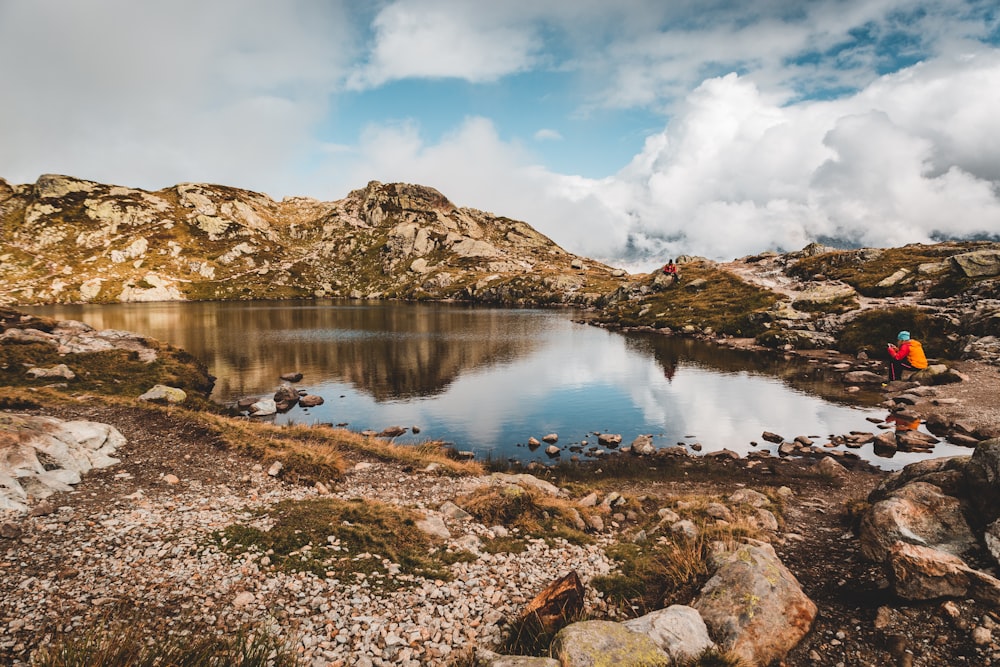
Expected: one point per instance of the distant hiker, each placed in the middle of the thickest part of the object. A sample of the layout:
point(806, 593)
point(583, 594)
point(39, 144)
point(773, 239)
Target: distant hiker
point(671, 270)
point(908, 355)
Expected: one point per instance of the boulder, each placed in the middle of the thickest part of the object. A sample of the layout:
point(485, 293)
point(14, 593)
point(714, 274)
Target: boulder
point(593, 643)
point(161, 393)
point(978, 263)
point(610, 440)
point(824, 294)
point(982, 480)
point(885, 444)
point(285, 398)
point(915, 441)
point(753, 605)
point(434, 525)
point(749, 497)
point(61, 371)
point(925, 573)
point(937, 374)
point(831, 469)
point(310, 401)
point(678, 630)
point(69, 449)
point(918, 513)
point(263, 408)
point(643, 446)
point(524, 479)
point(863, 377)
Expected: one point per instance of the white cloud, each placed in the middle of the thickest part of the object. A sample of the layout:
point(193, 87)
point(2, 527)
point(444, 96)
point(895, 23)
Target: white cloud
point(445, 39)
point(736, 172)
point(153, 94)
point(546, 134)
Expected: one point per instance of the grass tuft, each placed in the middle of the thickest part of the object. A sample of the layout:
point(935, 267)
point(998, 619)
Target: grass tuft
point(124, 643)
point(668, 569)
point(529, 511)
point(342, 539)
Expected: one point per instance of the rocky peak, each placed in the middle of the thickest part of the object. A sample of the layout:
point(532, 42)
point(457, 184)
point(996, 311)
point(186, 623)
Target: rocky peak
point(70, 240)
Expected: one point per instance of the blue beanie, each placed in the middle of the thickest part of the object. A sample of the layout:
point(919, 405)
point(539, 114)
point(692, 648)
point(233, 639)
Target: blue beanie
point(903, 335)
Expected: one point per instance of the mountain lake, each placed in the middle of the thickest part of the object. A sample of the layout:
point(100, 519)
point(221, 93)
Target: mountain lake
point(488, 379)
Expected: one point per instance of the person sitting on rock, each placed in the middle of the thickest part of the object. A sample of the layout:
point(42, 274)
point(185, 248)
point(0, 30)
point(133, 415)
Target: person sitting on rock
point(908, 355)
point(671, 270)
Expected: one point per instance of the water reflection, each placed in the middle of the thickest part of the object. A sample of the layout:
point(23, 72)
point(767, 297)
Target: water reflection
point(488, 379)
point(392, 353)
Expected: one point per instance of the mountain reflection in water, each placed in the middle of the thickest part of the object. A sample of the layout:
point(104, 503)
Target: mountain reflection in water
point(487, 379)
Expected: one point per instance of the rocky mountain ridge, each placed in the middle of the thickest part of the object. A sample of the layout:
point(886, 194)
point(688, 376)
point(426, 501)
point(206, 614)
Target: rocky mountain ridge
point(70, 240)
point(64, 239)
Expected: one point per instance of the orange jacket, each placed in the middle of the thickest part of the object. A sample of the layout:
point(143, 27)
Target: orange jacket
point(912, 351)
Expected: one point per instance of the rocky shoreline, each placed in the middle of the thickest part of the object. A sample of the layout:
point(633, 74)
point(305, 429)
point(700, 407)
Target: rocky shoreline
point(77, 555)
point(138, 528)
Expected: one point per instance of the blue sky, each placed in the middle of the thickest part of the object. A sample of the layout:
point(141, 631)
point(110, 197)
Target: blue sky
point(625, 131)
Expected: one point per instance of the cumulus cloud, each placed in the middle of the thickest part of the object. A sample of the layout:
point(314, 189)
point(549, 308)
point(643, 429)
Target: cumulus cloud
point(736, 172)
point(446, 39)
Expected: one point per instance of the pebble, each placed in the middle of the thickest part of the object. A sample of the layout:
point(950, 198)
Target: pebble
point(157, 547)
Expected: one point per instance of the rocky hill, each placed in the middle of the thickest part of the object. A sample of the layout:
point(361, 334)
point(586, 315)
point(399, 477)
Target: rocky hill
point(69, 240)
point(854, 301)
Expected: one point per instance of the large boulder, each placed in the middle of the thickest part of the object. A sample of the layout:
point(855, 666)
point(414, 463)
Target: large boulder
point(593, 643)
point(753, 605)
point(918, 513)
point(982, 480)
point(925, 573)
point(679, 630)
point(978, 263)
point(40, 455)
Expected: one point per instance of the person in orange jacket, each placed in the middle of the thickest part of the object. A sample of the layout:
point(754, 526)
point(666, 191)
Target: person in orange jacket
point(908, 355)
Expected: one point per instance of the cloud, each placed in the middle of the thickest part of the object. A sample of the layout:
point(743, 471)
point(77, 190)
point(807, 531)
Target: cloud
point(154, 94)
point(912, 158)
point(546, 134)
point(420, 39)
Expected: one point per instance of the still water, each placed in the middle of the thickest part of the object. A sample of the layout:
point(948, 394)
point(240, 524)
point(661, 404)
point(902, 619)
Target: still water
point(488, 379)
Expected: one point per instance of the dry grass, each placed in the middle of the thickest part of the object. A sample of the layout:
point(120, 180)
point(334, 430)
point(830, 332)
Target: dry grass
point(528, 511)
point(307, 453)
point(131, 643)
point(668, 568)
point(301, 447)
